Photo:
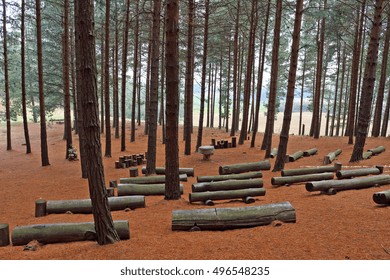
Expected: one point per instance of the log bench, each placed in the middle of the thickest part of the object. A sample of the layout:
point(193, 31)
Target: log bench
point(182, 170)
point(329, 158)
point(208, 197)
point(63, 232)
point(231, 218)
point(288, 180)
point(143, 189)
point(240, 176)
point(351, 173)
point(244, 167)
point(311, 170)
point(227, 185)
point(158, 179)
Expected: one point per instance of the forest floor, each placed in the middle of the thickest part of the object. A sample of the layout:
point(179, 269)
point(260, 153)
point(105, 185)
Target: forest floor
point(348, 225)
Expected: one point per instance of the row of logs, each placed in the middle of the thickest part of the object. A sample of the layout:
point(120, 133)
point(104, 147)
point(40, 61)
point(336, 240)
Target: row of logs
point(224, 144)
point(130, 160)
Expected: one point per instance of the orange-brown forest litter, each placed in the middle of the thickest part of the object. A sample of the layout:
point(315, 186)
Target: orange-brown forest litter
point(348, 225)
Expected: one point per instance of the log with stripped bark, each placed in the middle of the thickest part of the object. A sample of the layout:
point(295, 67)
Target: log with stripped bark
point(382, 197)
point(182, 170)
point(222, 195)
point(244, 167)
point(350, 173)
point(240, 176)
point(329, 158)
point(377, 150)
point(227, 185)
point(311, 170)
point(288, 180)
point(158, 179)
point(295, 156)
point(143, 189)
point(310, 152)
point(230, 218)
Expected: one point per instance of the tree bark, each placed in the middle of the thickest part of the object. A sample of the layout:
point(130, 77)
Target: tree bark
point(23, 79)
point(368, 85)
point(42, 113)
point(235, 70)
point(135, 75)
point(87, 88)
point(6, 80)
point(172, 190)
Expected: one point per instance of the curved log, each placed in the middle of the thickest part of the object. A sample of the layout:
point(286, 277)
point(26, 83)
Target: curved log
point(293, 157)
point(347, 184)
point(142, 189)
point(331, 156)
point(64, 232)
point(84, 206)
point(244, 167)
point(182, 170)
point(4, 235)
point(227, 185)
point(279, 181)
point(382, 197)
point(344, 174)
point(230, 218)
point(240, 176)
point(311, 170)
point(158, 179)
point(310, 152)
point(377, 150)
point(220, 195)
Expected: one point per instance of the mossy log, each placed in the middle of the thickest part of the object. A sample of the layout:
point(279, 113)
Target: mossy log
point(63, 232)
point(288, 180)
point(311, 170)
point(295, 156)
point(310, 152)
point(221, 195)
point(143, 189)
point(348, 184)
point(329, 158)
point(377, 150)
point(158, 179)
point(4, 235)
point(161, 171)
point(382, 197)
point(346, 174)
point(240, 176)
point(244, 167)
point(84, 206)
point(227, 185)
point(230, 218)
point(273, 153)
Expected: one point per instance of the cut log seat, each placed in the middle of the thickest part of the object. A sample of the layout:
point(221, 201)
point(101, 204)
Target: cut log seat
point(244, 167)
point(240, 176)
point(222, 195)
point(161, 171)
point(227, 185)
point(311, 170)
point(143, 189)
point(288, 180)
point(158, 179)
point(63, 232)
point(230, 218)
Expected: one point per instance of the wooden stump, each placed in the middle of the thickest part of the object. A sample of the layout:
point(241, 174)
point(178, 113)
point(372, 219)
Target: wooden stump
point(244, 167)
point(133, 172)
point(63, 232)
point(230, 218)
point(40, 208)
point(4, 235)
point(234, 142)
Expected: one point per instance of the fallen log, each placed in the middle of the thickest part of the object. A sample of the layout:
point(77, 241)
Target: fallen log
point(288, 180)
point(230, 218)
point(273, 153)
point(310, 152)
point(84, 206)
point(227, 185)
point(158, 179)
point(311, 170)
point(367, 155)
point(377, 150)
point(4, 235)
point(240, 176)
point(329, 158)
point(221, 195)
point(142, 189)
point(345, 174)
point(161, 171)
point(63, 232)
point(347, 184)
point(293, 157)
point(382, 197)
point(244, 167)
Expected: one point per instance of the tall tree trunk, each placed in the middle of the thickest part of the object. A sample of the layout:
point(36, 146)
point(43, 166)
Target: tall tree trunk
point(249, 69)
point(153, 105)
point(235, 70)
point(269, 129)
point(284, 134)
point(116, 74)
point(23, 78)
point(220, 90)
point(189, 83)
point(102, 79)
point(65, 77)
point(227, 111)
point(147, 89)
point(86, 69)
point(107, 80)
point(349, 130)
point(73, 80)
point(381, 89)
point(172, 186)
point(203, 82)
point(368, 84)
point(135, 74)
point(260, 75)
point(386, 116)
point(124, 71)
point(210, 82)
point(162, 84)
point(341, 89)
point(6, 81)
point(336, 89)
point(44, 148)
point(317, 110)
point(302, 92)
